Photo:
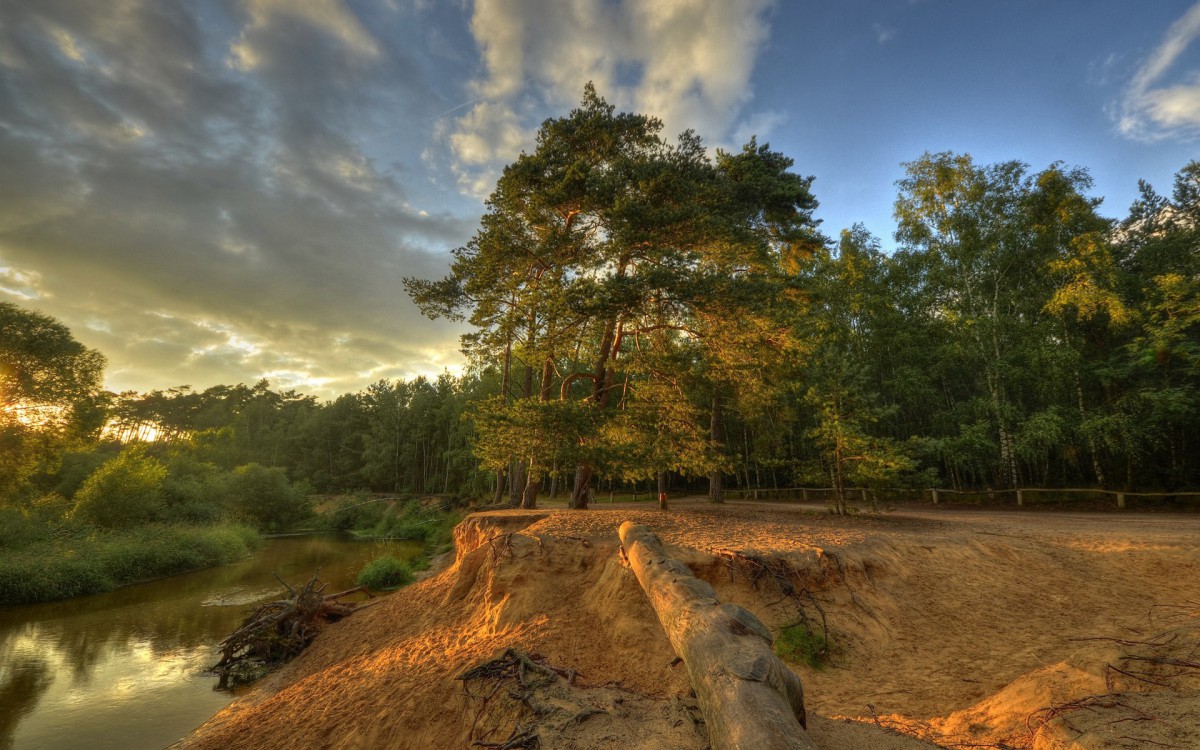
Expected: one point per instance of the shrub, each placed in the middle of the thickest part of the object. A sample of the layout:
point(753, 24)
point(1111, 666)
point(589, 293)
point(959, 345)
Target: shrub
point(17, 529)
point(102, 561)
point(798, 643)
point(354, 512)
point(77, 466)
point(51, 508)
point(124, 492)
point(412, 522)
point(384, 572)
point(195, 496)
point(266, 498)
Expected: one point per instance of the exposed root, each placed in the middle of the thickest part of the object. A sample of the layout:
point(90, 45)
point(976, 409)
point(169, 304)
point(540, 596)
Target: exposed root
point(277, 631)
point(784, 578)
point(1165, 661)
point(507, 690)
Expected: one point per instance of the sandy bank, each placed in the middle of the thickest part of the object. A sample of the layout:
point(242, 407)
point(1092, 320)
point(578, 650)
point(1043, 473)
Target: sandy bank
point(955, 627)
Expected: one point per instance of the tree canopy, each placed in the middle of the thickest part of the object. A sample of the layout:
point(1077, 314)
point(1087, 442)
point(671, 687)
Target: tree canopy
point(618, 269)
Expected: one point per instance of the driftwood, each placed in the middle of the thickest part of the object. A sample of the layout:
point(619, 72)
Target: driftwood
point(750, 700)
point(277, 631)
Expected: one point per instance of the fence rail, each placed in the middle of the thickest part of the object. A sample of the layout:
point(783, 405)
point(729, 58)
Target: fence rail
point(937, 495)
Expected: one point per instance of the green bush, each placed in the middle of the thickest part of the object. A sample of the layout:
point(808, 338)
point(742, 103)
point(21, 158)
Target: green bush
point(197, 498)
point(414, 523)
point(123, 492)
point(384, 572)
point(76, 466)
point(50, 509)
point(354, 512)
point(798, 643)
point(18, 529)
point(103, 561)
point(266, 498)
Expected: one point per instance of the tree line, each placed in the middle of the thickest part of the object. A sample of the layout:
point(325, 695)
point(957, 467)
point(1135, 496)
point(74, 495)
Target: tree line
point(647, 311)
point(655, 312)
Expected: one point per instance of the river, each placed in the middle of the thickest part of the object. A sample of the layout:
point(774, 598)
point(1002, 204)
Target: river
point(127, 670)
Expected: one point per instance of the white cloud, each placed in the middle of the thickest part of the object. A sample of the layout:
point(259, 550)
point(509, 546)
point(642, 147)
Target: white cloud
point(24, 285)
point(330, 16)
point(688, 62)
point(1153, 108)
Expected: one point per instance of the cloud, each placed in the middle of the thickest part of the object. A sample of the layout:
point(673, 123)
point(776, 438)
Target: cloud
point(200, 221)
point(883, 34)
point(1154, 107)
point(688, 62)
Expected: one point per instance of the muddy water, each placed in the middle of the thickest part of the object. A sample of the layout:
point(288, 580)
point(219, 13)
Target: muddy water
point(126, 670)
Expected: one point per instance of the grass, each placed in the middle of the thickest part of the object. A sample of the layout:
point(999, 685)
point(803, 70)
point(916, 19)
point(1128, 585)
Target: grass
point(797, 643)
point(95, 562)
point(384, 573)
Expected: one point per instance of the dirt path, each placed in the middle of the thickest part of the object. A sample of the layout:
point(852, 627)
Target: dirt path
point(955, 625)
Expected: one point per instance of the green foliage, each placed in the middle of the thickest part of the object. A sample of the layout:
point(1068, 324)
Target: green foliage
point(800, 644)
point(76, 466)
point(616, 265)
point(45, 570)
point(41, 363)
point(384, 573)
point(412, 522)
point(540, 435)
point(357, 511)
point(18, 529)
point(124, 492)
point(50, 396)
point(265, 498)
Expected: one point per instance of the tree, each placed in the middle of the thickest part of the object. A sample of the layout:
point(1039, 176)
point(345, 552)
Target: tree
point(1157, 412)
point(50, 393)
point(846, 301)
point(987, 244)
point(605, 245)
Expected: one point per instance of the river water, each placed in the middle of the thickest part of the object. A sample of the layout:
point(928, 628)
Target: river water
point(127, 670)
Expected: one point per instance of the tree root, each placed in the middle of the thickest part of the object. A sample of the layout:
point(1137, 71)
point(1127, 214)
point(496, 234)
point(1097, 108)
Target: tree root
point(1163, 661)
point(278, 631)
point(783, 577)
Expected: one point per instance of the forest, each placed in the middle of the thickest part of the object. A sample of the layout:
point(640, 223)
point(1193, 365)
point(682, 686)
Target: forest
point(649, 313)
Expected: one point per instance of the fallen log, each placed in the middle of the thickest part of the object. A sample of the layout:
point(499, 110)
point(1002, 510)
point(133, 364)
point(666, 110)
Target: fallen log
point(749, 698)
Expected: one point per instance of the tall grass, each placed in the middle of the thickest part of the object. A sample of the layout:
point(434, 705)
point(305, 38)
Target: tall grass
point(91, 563)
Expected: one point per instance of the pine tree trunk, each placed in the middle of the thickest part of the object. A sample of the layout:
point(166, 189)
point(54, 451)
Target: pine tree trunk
point(529, 496)
point(583, 483)
point(714, 432)
point(516, 488)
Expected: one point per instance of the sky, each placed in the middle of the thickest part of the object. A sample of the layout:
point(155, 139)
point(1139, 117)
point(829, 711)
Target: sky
point(218, 191)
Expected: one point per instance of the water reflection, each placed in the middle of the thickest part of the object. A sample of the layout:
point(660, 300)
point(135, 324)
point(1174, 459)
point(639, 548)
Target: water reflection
point(128, 669)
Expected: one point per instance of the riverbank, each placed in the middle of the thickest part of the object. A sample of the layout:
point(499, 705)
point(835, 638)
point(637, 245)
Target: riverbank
point(946, 628)
point(90, 561)
point(129, 669)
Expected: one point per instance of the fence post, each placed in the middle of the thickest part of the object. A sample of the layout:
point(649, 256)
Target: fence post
point(1120, 499)
point(934, 491)
point(804, 494)
point(1020, 496)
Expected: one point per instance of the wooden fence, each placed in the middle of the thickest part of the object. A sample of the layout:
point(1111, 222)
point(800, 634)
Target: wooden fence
point(1023, 496)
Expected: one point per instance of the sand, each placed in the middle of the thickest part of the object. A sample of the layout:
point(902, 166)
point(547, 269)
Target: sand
point(948, 628)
